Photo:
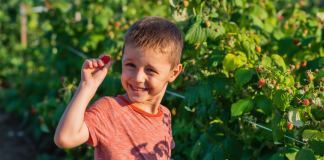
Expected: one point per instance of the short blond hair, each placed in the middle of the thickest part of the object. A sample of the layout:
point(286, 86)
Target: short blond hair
point(159, 34)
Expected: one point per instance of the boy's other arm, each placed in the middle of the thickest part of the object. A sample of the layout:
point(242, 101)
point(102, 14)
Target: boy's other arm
point(72, 130)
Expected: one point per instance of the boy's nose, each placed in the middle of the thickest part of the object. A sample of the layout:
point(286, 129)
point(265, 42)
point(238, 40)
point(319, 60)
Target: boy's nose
point(139, 76)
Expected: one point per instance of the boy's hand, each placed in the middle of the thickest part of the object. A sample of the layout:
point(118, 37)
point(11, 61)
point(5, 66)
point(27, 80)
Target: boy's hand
point(93, 72)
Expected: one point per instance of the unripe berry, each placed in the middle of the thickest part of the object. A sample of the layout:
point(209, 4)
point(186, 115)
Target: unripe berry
point(296, 85)
point(185, 4)
point(216, 29)
point(258, 49)
point(292, 67)
point(273, 82)
point(322, 89)
point(310, 77)
point(288, 90)
point(306, 89)
point(259, 68)
point(306, 115)
point(316, 70)
point(288, 71)
point(220, 23)
point(298, 100)
point(312, 124)
point(297, 66)
point(207, 24)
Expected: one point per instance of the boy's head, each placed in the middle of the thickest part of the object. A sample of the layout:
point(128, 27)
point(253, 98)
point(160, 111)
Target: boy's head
point(158, 34)
point(151, 58)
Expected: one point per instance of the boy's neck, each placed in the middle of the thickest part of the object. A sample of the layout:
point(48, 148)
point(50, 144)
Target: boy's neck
point(147, 106)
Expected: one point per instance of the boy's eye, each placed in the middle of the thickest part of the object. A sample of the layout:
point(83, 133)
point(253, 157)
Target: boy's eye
point(151, 70)
point(130, 64)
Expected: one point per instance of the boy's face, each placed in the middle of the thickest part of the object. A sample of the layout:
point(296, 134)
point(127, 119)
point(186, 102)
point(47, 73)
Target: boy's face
point(145, 74)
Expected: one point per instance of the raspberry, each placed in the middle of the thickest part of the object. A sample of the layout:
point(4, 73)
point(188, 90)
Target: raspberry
point(296, 42)
point(258, 49)
point(34, 111)
point(106, 59)
point(207, 24)
point(63, 79)
point(280, 17)
point(290, 126)
point(306, 102)
point(261, 82)
point(304, 63)
point(117, 24)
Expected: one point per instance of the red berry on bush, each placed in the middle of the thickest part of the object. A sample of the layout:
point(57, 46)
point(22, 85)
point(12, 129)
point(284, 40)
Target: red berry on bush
point(258, 49)
point(290, 125)
point(117, 24)
point(261, 82)
point(34, 111)
point(296, 42)
point(306, 102)
point(63, 79)
point(280, 17)
point(304, 63)
point(106, 59)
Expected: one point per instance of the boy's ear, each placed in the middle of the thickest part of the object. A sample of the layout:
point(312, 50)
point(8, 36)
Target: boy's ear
point(175, 72)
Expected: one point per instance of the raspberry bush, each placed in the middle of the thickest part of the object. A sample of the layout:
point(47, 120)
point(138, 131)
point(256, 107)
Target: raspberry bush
point(243, 61)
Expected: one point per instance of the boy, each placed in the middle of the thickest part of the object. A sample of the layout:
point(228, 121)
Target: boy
point(134, 125)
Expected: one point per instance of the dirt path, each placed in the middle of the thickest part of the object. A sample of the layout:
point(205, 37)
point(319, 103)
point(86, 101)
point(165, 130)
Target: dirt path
point(14, 143)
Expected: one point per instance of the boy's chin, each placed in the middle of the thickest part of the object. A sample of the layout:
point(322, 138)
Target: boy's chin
point(136, 99)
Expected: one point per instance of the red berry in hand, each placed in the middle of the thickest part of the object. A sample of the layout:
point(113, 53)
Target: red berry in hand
point(306, 102)
point(34, 111)
point(290, 125)
point(261, 82)
point(63, 79)
point(106, 59)
point(296, 42)
point(117, 24)
point(304, 63)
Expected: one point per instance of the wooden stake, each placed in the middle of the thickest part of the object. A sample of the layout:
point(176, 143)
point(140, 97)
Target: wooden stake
point(23, 25)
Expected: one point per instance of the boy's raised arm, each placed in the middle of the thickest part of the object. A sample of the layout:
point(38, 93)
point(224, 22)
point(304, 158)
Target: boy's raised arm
point(72, 130)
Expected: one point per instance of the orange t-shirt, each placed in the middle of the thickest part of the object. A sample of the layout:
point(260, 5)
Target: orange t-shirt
point(119, 130)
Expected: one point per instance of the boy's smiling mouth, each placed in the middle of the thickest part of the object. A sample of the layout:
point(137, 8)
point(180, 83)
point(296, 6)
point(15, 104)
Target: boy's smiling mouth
point(137, 90)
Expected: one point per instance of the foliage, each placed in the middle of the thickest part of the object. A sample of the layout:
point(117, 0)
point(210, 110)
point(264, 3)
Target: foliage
point(242, 60)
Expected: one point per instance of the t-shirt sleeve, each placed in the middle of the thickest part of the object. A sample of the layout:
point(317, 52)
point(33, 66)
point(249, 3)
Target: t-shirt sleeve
point(99, 119)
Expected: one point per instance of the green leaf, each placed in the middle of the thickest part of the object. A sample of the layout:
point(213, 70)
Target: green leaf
point(281, 99)
point(279, 61)
point(67, 96)
point(242, 106)
point(256, 39)
point(246, 49)
point(294, 117)
point(317, 146)
point(304, 154)
point(219, 83)
point(256, 21)
point(216, 154)
point(202, 113)
point(202, 142)
point(44, 128)
point(212, 111)
point(233, 148)
point(266, 61)
point(242, 76)
point(264, 103)
point(279, 129)
point(213, 15)
point(191, 95)
point(291, 152)
point(196, 33)
point(306, 41)
point(205, 94)
point(277, 156)
point(230, 62)
point(309, 134)
point(215, 58)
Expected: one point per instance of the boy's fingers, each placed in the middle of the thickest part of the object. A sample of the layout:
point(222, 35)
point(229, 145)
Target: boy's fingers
point(94, 63)
point(100, 57)
point(108, 65)
point(89, 64)
point(100, 63)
